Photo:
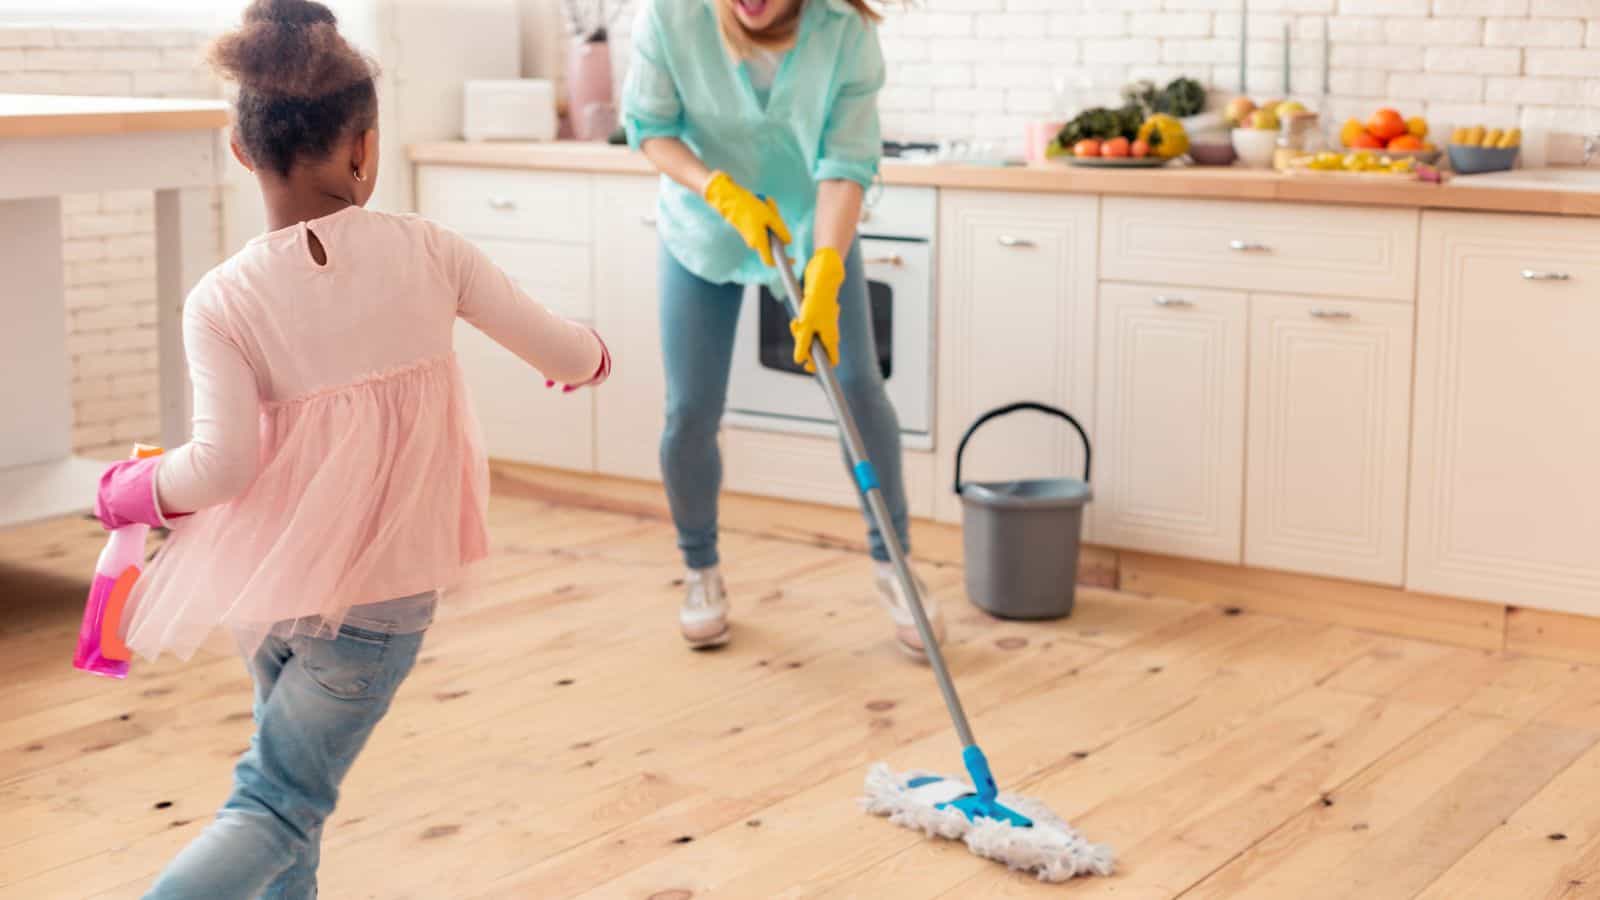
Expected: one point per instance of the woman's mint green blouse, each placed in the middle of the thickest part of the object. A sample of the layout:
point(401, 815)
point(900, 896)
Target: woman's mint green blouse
point(819, 123)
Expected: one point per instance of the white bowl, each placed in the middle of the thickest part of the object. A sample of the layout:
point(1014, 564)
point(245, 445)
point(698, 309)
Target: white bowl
point(1255, 146)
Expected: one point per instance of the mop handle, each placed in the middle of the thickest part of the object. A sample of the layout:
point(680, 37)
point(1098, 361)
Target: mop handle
point(867, 481)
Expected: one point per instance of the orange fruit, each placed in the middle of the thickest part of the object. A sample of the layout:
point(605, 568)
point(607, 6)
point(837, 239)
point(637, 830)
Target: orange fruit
point(1386, 124)
point(1347, 134)
point(1366, 141)
point(1406, 142)
point(1417, 126)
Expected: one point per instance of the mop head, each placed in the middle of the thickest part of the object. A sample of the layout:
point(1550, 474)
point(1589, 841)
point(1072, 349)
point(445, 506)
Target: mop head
point(1028, 837)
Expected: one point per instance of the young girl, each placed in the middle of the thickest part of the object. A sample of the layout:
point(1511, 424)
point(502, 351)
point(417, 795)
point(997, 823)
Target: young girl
point(335, 482)
point(733, 99)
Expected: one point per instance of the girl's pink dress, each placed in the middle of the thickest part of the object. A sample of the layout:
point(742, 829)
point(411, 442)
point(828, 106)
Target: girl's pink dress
point(336, 461)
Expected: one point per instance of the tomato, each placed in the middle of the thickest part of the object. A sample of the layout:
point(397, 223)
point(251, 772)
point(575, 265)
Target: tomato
point(1139, 149)
point(1117, 146)
point(1086, 147)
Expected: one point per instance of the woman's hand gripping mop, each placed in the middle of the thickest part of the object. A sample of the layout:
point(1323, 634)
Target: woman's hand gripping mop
point(100, 646)
point(1015, 830)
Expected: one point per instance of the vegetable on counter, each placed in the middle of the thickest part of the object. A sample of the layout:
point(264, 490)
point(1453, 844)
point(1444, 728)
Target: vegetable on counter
point(1164, 135)
point(1100, 124)
point(1180, 98)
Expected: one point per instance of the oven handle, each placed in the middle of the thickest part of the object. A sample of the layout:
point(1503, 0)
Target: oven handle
point(892, 259)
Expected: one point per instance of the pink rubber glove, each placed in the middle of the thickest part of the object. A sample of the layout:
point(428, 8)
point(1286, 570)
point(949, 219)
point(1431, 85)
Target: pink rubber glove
point(128, 495)
point(600, 374)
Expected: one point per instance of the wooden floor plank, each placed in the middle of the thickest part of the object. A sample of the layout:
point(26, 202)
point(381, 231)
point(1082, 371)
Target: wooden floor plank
point(557, 740)
point(1402, 823)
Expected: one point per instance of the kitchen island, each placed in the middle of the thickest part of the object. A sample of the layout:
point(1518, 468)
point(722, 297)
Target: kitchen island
point(55, 145)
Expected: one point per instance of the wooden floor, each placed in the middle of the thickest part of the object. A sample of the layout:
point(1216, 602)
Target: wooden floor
point(558, 741)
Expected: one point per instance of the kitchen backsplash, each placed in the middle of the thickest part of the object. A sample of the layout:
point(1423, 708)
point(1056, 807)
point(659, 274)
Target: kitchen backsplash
point(964, 69)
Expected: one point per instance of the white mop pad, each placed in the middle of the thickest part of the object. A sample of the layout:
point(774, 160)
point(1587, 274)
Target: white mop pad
point(1049, 848)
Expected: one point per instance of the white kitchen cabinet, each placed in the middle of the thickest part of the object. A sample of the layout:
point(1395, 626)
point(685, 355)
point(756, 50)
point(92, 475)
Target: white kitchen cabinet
point(508, 214)
point(1340, 251)
point(1505, 499)
point(1016, 322)
point(507, 203)
point(522, 420)
point(1329, 413)
point(630, 407)
point(1169, 421)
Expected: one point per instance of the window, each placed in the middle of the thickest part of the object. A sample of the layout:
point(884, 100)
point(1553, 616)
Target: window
point(176, 13)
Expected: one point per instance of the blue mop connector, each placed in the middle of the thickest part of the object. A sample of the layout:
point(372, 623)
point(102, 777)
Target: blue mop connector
point(985, 803)
point(982, 779)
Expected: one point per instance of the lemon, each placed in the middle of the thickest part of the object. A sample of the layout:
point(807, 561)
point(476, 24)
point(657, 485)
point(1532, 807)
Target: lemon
point(1459, 136)
point(1511, 139)
point(1492, 139)
point(1474, 136)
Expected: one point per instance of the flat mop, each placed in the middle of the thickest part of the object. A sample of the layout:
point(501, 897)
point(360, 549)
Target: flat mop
point(1007, 828)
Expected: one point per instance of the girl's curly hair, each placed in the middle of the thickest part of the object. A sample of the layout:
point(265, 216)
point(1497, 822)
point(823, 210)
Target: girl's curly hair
point(302, 86)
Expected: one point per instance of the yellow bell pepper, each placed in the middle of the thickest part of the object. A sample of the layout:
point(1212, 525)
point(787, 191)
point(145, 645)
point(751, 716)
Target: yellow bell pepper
point(1165, 135)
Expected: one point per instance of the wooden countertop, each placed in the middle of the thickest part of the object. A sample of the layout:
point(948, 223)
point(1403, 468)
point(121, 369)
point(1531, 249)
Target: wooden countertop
point(1214, 183)
point(44, 115)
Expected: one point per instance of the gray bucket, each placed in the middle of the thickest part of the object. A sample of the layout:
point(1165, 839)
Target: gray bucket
point(1020, 538)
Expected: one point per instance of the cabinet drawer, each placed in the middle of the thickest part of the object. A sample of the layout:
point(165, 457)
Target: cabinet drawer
point(556, 275)
point(1299, 248)
point(506, 203)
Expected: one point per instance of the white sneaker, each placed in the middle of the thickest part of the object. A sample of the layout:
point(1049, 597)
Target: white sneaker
point(894, 599)
point(703, 618)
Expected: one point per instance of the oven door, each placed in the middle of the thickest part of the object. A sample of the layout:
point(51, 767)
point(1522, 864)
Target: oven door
point(769, 391)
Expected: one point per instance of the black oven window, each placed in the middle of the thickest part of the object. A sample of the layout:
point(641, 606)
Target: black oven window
point(777, 344)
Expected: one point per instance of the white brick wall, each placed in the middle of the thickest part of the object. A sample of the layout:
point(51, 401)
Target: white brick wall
point(979, 69)
point(108, 239)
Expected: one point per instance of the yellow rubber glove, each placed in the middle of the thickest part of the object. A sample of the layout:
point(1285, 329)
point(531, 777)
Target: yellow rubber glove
point(747, 213)
point(819, 308)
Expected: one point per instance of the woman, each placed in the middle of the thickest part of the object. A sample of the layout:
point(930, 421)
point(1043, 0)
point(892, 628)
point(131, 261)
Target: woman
point(735, 101)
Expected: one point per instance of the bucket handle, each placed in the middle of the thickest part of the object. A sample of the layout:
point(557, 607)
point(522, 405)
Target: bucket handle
point(961, 449)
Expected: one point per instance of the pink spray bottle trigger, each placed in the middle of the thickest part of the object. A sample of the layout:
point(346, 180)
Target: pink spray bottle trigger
point(101, 649)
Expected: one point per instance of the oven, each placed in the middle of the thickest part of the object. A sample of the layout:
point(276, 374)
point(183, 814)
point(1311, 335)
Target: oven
point(768, 391)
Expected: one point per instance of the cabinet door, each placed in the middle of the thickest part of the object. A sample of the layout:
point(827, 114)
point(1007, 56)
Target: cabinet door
point(630, 407)
point(1505, 500)
point(1330, 392)
point(1169, 471)
point(522, 420)
point(1016, 322)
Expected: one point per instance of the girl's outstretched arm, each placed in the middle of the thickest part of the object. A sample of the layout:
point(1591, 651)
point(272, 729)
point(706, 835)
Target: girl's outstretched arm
point(487, 297)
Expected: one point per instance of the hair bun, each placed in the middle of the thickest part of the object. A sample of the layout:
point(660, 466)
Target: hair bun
point(289, 12)
point(290, 48)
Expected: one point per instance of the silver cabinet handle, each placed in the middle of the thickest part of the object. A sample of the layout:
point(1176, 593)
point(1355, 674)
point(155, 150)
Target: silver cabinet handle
point(1247, 247)
point(503, 204)
point(1172, 302)
point(1007, 240)
point(647, 221)
point(893, 259)
point(1331, 314)
point(1535, 275)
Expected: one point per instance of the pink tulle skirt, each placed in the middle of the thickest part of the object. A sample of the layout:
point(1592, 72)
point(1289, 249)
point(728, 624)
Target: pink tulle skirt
point(366, 492)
